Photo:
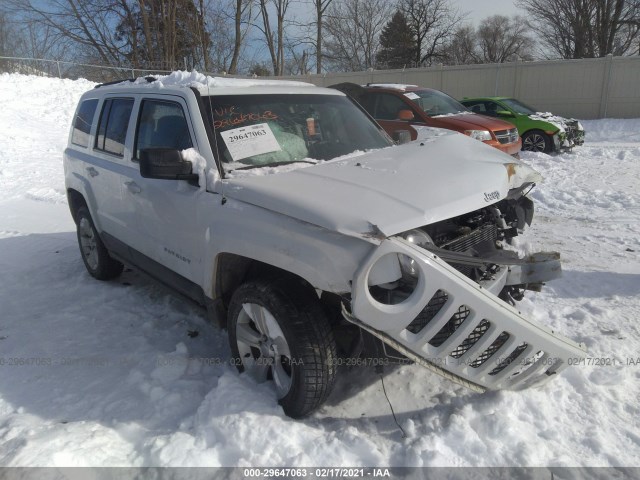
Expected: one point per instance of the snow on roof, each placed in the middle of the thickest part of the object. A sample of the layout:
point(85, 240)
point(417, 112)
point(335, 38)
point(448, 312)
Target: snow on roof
point(204, 82)
point(395, 86)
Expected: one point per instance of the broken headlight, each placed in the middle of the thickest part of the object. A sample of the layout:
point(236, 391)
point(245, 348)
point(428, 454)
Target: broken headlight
point(408, 265)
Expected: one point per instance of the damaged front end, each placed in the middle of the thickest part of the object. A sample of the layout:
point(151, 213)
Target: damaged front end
point(444, 294)
point(570, 132)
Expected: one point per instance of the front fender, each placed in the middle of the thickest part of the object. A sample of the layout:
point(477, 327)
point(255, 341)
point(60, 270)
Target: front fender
point(325, 259)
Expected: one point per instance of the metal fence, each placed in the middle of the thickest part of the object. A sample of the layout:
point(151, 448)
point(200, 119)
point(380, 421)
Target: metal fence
point(585, 89)
point(606, 87)
point(74, 70)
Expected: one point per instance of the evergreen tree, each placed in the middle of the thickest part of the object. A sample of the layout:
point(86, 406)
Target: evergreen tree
point(397, 43)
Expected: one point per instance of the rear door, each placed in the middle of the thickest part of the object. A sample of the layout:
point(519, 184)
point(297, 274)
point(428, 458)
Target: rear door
point(106, 167)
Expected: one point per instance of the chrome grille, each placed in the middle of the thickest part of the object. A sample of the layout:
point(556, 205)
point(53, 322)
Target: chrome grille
point(507, 136)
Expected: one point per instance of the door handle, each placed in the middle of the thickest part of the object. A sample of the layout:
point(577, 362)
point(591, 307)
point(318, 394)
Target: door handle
point(92, 171)
point(133, 187)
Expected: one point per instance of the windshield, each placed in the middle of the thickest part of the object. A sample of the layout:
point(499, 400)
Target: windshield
point(436, 103)
point(268, 130)
point(519, 107)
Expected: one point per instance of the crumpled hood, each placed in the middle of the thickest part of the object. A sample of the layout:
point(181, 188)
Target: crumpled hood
point(560, 123)
point(389, 191)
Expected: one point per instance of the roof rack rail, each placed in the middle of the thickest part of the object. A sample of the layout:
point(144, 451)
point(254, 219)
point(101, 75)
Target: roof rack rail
point(149, 79)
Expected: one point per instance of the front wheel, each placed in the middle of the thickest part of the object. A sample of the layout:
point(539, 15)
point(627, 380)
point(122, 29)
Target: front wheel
point(536, 141)
point(278, 331)
point(95, 256)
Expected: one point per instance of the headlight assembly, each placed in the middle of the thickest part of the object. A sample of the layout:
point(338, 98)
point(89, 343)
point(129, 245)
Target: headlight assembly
point(482, 135)
point(407, 264)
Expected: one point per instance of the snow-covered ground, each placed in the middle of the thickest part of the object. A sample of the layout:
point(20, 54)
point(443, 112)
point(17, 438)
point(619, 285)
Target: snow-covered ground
point(96, 374)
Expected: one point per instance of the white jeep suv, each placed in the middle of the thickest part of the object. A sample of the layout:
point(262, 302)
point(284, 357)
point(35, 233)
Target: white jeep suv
point(289, 213)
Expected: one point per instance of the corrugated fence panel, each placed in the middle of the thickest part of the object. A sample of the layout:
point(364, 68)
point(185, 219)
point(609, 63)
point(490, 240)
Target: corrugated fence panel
point(624, 89)
point(588, 88)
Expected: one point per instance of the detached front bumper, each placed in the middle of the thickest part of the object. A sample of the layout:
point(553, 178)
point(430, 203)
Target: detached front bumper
point(458, 328)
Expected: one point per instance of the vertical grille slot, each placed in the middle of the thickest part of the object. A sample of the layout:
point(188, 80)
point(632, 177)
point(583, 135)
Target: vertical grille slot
point(493, 348)
point(511, 358)
point(431, 310)
point(451, 326)
point(472, 339)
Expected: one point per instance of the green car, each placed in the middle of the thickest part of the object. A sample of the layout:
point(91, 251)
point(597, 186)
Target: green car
point(540, 132)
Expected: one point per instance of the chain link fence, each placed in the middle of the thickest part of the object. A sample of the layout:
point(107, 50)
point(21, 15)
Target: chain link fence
point(72, 70)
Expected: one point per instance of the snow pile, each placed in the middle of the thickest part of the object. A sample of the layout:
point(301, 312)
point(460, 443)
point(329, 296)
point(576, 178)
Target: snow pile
point(126, 373)
point(394, 86)
point(203, 82)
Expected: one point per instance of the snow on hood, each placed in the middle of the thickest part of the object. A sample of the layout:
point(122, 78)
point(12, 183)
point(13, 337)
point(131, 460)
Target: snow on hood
point(391, 190)
point(453, 114)
point(555, 120)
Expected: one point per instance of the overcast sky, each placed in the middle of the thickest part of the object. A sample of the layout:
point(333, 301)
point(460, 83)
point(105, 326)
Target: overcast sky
point(479, 9)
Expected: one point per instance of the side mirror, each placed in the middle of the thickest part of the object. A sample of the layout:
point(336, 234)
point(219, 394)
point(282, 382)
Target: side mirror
point(165, 164)
point(401, 136)
point(504, 113)
point(405, 115)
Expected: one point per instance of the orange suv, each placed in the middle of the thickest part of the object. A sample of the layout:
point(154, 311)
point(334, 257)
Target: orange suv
point(398, 108)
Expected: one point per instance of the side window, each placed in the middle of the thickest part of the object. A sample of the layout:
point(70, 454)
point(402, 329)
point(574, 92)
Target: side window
point(162, 125)
point(388, 107)
point(368, 102)
point(82, 123)
point(477, 107)
point(491, 109)
point(112, 128)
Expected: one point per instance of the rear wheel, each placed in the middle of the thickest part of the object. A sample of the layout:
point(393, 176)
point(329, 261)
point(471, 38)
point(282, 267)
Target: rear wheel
point(95, 256)
point(536, 141)
point(278, 331)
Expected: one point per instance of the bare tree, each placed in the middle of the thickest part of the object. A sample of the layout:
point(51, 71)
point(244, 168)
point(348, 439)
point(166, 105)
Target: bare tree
point(172, 33)
point(242, 12)
point(297, 62)
point(321, 7)
point(9, 37)
point(502, 39)
point(274, 40)
point(432, 24)
point(462, 47)
point(88, 24)
point(584, 28)
point(353, 29)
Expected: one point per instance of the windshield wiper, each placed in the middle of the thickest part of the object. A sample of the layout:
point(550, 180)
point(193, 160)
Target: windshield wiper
point(249, 167)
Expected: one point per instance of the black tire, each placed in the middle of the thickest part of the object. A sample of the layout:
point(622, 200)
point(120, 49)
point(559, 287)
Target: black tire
point(311, 359)
point(94, 254)
point(536, 141)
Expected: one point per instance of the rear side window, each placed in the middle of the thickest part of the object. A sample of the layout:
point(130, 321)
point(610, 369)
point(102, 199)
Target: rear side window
point(112, 128)
point(162, 124)
point(82, 123)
